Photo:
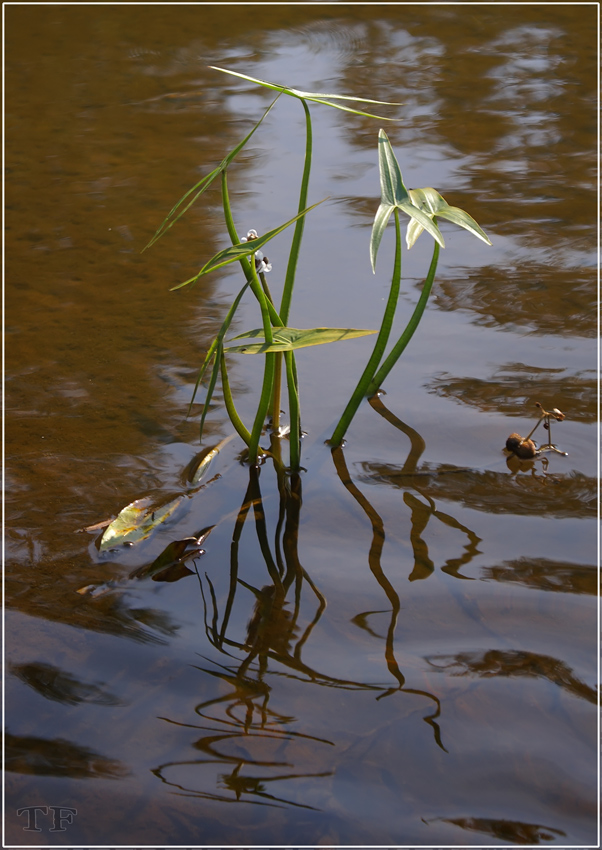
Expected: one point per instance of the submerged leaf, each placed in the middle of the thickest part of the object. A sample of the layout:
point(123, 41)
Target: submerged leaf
point(204, 461)
point(289, 339)
point(174, 554)
point(136, 522)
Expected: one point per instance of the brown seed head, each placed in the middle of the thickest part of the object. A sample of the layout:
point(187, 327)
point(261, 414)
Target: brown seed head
point(520, 447)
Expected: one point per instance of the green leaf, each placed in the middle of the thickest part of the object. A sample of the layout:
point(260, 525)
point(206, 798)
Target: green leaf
point(289, 339)
point(392, 189)
point(381, 220)
point(423, 220)
point(393, 193)
point(202, 185)
point(243, 249)
point(137, 521)
point(316, 97)
point(433, 204)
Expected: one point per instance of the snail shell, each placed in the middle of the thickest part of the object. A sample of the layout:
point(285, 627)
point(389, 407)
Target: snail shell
point(520, 447)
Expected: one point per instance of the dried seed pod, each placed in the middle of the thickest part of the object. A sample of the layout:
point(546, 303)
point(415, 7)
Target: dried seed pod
point(520, 447)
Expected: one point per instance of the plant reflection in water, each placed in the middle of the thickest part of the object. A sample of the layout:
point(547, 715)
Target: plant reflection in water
point(242, 730)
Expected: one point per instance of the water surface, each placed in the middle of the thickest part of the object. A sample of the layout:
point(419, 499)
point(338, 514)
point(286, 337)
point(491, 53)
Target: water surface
point(403, 650)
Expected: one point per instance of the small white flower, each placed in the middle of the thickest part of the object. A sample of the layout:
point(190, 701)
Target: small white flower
point(262, 264)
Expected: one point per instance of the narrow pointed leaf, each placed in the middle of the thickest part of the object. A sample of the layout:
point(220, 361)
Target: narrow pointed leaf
point(413, 232)
point(317, 97)
point(461, 218)
point(392, 189)
point(348, 108)
point(202, 185)
point(243, 249)
point(378, 228)
point(289, 339)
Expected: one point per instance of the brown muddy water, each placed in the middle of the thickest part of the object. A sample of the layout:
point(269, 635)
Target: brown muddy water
point(403, 651)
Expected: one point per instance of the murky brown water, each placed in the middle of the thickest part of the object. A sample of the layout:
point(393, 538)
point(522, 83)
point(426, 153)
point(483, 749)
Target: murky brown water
point(403, 650)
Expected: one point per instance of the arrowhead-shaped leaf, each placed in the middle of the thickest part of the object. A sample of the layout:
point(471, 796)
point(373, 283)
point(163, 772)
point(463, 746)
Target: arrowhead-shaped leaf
point(433, 204)
point(393, 193)
point(289, 339)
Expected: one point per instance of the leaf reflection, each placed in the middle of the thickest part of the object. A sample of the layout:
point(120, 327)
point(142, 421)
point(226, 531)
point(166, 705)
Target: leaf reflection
point(544, 574)
point(55, 684)
point(58, 757)
point(508, 830)
point(499, 662)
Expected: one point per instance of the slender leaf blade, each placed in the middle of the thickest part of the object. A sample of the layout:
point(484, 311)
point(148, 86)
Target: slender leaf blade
point(463, 219)
point(392, 188)
point(203, 184)
point(423, 219)
point(243, 249)
point(378, 228)
point(305, 95)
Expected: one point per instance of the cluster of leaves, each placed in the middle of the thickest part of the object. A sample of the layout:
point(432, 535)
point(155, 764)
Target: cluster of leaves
point(276, 339)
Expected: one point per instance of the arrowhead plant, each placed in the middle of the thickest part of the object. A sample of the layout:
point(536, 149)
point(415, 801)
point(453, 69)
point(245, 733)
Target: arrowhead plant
point(423, 207)
point(276, 341)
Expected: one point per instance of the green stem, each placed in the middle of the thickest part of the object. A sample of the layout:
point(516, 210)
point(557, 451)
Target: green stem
point(268, 314)
point(275, 403)
point(262, 407)
point(408, 333)
point(364, 382)
point(295, 413)
point(291, 268)
point(247, 266)
point(235, 419)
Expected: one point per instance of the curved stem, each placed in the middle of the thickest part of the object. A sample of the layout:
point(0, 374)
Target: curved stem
point(364, 382)
point(235, 419)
